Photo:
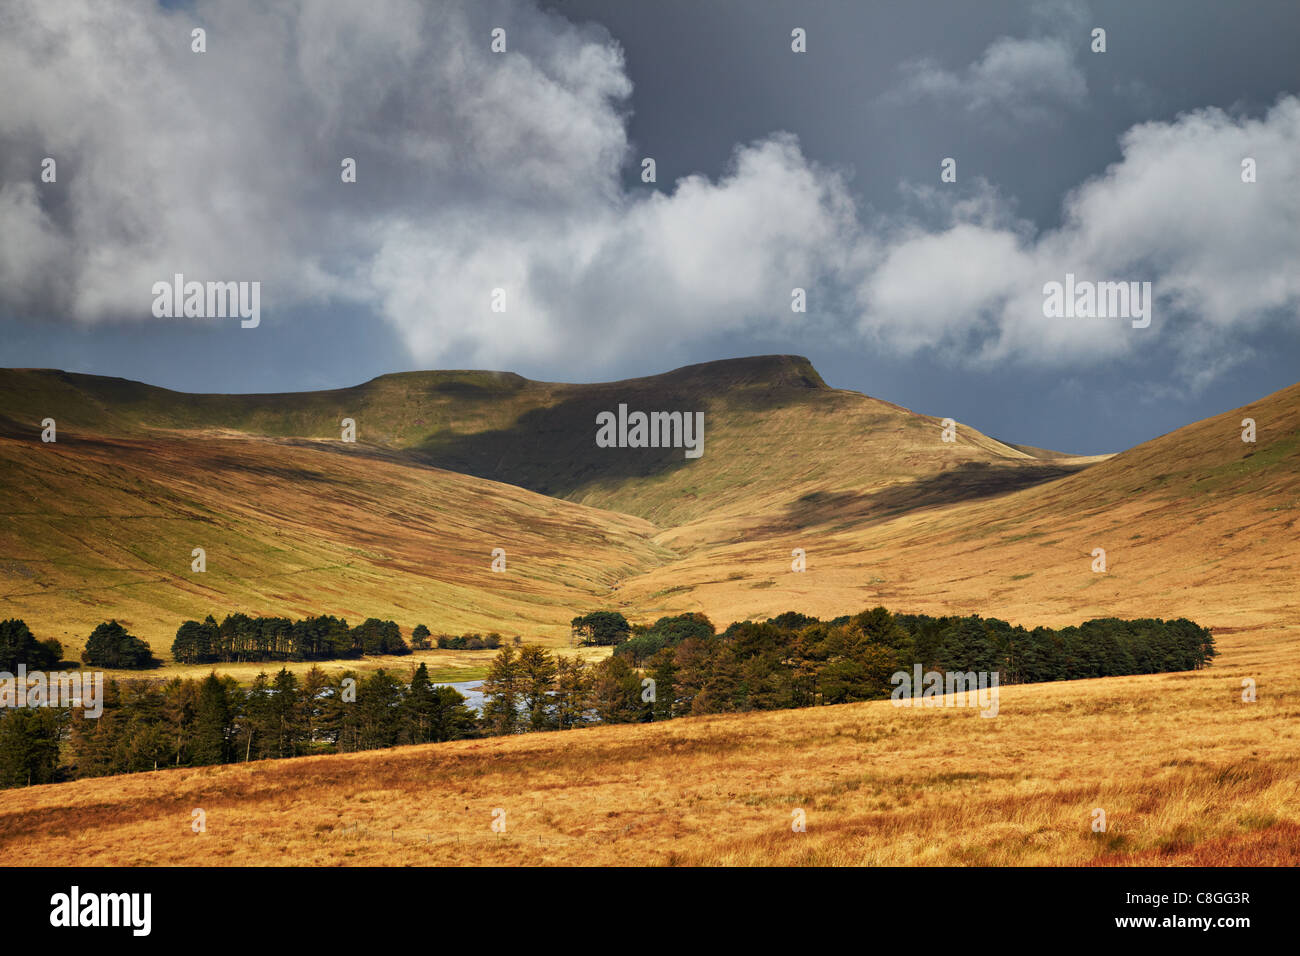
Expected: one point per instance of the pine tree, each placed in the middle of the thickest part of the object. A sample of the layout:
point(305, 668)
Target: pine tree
point(694, 663)
point(314, 684)
point(213, 723)
point(29, 745)
point(287, 715)
point(572, 692)
point(379, 709)
point(663, 671)
point(419, 706)
point(109, 645)
point(502, 691)
point(537, 672)
point(451, 719)
point(19, 646)
point(180, 705)
point(616, 692)
point(721, 690)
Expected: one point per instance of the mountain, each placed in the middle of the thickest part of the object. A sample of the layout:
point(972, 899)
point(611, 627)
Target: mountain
point(773, 429)
point(449, 465)
point(99, 527)
point(1195, 523)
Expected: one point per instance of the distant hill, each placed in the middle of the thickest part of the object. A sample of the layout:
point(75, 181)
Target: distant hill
point(773, 431)
point(103, 527)
point(1195, 522)
point(449, 465)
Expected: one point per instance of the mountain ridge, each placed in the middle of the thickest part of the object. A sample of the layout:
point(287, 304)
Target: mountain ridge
point(401, 524)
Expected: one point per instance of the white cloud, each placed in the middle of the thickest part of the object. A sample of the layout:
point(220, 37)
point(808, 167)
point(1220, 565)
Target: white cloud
point(225, 164)
point(1221, 253)
point(712, 257)
point(1023, 79)
point(1016, 79)
point(479, 171)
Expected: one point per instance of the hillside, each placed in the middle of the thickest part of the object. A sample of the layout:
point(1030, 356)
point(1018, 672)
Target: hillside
point(104, 527)
point(1195, 523)
point(772, 428)
point(401, 524)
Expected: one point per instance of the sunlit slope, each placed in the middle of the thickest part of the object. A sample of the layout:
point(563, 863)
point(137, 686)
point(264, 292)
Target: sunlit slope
point(1186, 772)
point(392, 410)
point(102, 522)
point(778, 442)
point(95, 527)
point(775, 435)
point(1194, 523)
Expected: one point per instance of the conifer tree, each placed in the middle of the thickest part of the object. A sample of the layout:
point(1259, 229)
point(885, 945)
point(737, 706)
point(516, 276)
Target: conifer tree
point(537, 672)
point(616, 691)
point(213, 723)
point(502, 690)
point(419, 707)
point(572, 692)
point(29, 745)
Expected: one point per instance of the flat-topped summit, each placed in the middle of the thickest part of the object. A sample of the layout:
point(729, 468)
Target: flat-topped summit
point(794, 371)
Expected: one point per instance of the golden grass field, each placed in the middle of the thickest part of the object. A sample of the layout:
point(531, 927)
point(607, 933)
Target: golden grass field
point(1186, 772)
point(1195, 523)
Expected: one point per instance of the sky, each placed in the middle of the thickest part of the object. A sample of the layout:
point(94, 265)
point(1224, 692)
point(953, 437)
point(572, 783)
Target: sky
point(776, 169)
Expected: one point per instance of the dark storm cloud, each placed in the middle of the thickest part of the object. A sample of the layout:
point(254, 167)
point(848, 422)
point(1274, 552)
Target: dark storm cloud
point(775, 170)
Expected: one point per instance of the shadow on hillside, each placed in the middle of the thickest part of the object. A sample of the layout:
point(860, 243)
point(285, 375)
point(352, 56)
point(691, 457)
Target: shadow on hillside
point(65, 435)
point(969, 481)
point(553, 450)
point(284, 474)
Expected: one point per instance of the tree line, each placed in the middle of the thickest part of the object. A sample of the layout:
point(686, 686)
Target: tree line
point(681, 666)
point(151, 724)
point(240, 637)
point(109, 646)
point(794, 660)
point(677, 666)
point(472, 642)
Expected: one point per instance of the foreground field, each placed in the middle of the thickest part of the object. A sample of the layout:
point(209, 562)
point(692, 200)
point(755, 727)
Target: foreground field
point(1186, 772)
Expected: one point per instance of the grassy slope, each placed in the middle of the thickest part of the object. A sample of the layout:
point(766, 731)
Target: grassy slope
point(772, 425)
point(102, 522)
point(1194, 523)
point(1186, 772)
point(96, 528)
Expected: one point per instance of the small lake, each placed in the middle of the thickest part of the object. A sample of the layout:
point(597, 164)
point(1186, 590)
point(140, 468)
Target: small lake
point(471, 690)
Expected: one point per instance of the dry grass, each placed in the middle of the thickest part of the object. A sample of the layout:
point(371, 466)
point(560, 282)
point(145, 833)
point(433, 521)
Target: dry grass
point(102, 528)
point(1195, 523)
point(1186, 772)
